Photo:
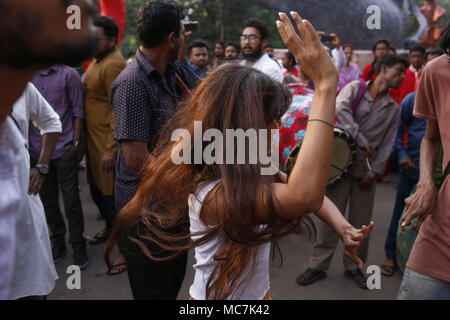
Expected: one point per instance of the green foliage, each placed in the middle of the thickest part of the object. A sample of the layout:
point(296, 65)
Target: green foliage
point(130, 41)
point(222, 20)
point(218, 20)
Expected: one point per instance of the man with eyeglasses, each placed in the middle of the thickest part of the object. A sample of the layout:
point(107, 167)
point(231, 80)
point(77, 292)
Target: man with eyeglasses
point(254, 38)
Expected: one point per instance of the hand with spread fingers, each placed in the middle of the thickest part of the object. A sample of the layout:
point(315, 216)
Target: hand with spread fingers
point(352, 238)
point(308, 50)
point(420, 204)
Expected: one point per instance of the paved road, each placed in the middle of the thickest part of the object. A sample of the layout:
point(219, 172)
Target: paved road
point(295, 251)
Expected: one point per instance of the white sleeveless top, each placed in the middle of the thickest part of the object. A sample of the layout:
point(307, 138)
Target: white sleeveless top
point(255, 288)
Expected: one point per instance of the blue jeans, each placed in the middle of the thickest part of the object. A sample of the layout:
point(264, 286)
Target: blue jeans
point(407, 180)
point(418, 286)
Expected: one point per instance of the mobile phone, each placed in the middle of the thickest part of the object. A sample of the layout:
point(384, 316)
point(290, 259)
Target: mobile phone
point(191, 26)
point(325, 38)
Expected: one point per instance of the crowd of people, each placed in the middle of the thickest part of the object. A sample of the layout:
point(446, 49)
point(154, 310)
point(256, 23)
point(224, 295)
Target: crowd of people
point(119, 115)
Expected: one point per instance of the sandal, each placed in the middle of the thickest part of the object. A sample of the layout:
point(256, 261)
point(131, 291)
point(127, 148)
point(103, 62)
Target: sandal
point(358, 277)
point(388, 269)
point(117, 269)
point(99, 238)
point(310, 276)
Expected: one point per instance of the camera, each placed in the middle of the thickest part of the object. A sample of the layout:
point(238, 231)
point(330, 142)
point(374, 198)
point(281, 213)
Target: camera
point(325, 38)
point(191, 26)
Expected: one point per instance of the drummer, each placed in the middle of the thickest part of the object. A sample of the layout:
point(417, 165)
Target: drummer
point(373, 126)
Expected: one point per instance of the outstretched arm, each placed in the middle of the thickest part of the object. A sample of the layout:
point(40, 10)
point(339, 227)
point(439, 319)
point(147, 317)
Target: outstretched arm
point(350, 236)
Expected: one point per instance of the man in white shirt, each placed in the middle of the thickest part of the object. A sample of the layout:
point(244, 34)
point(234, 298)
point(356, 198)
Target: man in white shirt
point(34, 36)
point(34, 271)
point(254, 38)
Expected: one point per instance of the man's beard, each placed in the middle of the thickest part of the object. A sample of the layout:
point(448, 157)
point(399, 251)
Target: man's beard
point(253, 56)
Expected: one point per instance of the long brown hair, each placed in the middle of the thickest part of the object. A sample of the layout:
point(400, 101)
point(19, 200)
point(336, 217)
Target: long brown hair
point(232, 97)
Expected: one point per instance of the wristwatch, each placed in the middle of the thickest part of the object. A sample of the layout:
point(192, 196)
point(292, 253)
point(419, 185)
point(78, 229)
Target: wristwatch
point(76, 144)
point(43, 169)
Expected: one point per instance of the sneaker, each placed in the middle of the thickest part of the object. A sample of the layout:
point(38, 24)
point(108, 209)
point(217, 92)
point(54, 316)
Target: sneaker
point(58, 253)
point(80, 258)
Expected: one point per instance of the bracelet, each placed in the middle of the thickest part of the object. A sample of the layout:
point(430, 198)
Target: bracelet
point(326, 122)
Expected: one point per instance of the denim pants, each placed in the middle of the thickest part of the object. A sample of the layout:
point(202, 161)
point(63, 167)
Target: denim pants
point(63, 176)
point(418, 286)
point(406, 183)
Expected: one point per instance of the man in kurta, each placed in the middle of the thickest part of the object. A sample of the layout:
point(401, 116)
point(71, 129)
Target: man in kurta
point(101, 148)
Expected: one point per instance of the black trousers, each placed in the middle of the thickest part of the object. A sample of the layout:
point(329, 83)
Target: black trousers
point(105, 205)
point(149, 279)
point(63, 176)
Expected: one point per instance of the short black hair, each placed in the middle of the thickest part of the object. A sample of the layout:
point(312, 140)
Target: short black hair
point(269, 45)
point(380, 41)
point(445, 39)
point(393, 49)
point(257, 24)
point(199, 43)
point(156, 20)
point(391, 60)
point(233, 44)
point(291, 57)
point(434, 52)
point(222, 44)
point(418, 48)
point(109, 25)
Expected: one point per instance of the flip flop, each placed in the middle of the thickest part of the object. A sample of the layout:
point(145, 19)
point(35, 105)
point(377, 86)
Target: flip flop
point(117, 267)
point(388, 270)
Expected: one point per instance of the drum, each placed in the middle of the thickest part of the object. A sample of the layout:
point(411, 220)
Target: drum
point(292, 132)
point(344, 151)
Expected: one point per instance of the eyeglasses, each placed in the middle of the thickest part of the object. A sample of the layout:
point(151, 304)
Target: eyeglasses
point(250, 38)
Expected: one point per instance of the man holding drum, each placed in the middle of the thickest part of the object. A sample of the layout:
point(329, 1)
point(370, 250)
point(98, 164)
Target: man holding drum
point(373, 126)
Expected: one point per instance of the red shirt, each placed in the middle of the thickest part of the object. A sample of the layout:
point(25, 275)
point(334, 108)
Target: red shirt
point(295, 73)
point(367, 69)
point(408, 86)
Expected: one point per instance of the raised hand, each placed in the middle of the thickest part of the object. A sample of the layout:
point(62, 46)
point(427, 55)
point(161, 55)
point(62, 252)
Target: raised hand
point(308, 50)
point(352, 238)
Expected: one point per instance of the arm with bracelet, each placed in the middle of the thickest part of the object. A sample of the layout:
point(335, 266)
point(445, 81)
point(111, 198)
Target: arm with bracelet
point(305, 190)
